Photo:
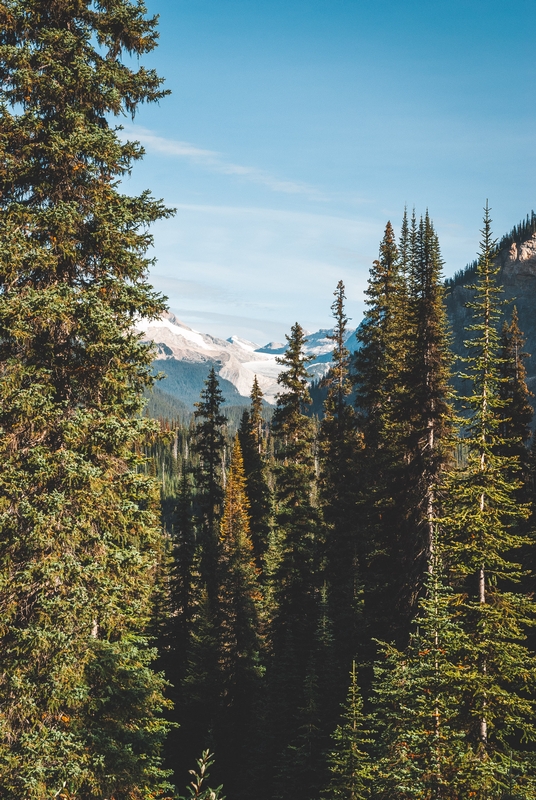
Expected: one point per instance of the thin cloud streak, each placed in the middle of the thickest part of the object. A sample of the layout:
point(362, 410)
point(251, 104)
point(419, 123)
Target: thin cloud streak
point(212, 160)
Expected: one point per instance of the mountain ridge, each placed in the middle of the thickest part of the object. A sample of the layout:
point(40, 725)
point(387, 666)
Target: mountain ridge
point(185, 355)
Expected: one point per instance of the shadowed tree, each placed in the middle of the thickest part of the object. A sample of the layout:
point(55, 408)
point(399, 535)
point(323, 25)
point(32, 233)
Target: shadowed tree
point(340, 444)
point(253, 444)
point(209, 445)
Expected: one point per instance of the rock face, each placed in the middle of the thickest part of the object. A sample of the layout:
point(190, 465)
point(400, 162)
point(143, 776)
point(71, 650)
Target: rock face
point(517, 276)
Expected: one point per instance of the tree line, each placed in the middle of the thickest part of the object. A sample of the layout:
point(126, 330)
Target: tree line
point(351, 602)
point(334, 607)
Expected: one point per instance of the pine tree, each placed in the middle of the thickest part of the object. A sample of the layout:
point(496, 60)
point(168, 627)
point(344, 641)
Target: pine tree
point(350, 764)
point(253, 447)
point(296, 515)
point(482, 522)
point(379, 367)
point(80, 537)
point(517, 411)
point(238, 635)
point(209, 445)
point(302, 771)
point(184, 557)
point(175, 639)
point(421, 749)
point(296, 576)
point(426, 408)
point(339, 446)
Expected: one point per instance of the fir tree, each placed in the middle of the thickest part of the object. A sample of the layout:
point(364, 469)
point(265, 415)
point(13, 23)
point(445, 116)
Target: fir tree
point(253, 447)
point(350, 764)
point(209, 445)
point(517, 411)
point(339, 446)
point(303, 769)
point(379, 367)
point(79, 529)
point(238, 634)
point(481, 524)
point(296, 515)
point(417, 698)
point(184, 556)
point(426, 408)
point(296, 576)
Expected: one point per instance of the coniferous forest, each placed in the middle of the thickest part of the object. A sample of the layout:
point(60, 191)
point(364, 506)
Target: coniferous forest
point(318, 606)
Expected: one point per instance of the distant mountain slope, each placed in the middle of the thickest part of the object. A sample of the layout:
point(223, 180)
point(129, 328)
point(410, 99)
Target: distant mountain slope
point(517, 275)
point(185, 357)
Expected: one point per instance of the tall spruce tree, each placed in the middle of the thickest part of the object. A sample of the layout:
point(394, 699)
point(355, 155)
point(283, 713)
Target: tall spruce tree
point(238, 635)
point(350, 763)
point(481, 524)
point(517, 412)
point(420, 749)
point(340, 443)
point(426, 408)
point(253, 444)
point(296, 577)
point(379, 367)
point(209, 445)
point(79, 527)
point(295, 486)
point(199, 690)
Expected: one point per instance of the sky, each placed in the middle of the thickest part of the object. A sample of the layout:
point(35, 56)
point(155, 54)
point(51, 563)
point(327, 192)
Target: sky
point(295, 129)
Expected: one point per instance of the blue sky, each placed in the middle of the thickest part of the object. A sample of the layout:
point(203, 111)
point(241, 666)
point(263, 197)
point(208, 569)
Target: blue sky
point(296, 129)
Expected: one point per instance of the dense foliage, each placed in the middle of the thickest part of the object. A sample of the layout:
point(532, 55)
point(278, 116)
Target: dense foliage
point(389, 533)
point(334, 604)
point(80, 537)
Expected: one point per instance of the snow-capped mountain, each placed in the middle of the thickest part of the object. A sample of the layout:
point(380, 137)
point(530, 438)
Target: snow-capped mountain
point(185, 357)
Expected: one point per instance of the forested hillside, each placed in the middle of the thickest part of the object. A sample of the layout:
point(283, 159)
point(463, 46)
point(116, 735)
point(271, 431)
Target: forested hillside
point(516, 260)
point(309, 606)
point(351, 600)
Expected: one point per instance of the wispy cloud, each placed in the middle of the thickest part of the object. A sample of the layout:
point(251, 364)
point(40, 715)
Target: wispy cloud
point(216, 162)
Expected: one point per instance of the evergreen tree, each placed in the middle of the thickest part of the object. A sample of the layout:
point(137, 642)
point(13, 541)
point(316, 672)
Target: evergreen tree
point(350, 764)
point(209, 445)
point(426, 408)
point(238, 635)
point(482, 522)
point(379, 368)
point(80, 537)
point(296, 576)
point(302, 771)
point(339, 445)
point(407, 245)
point(417, 697)
point(296, 515)
point(175, 641)
point(184, 558)
point(253, 447)
point(517, 411)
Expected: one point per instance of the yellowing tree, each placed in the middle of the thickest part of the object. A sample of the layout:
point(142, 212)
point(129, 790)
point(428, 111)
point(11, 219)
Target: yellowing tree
point(237, 617)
